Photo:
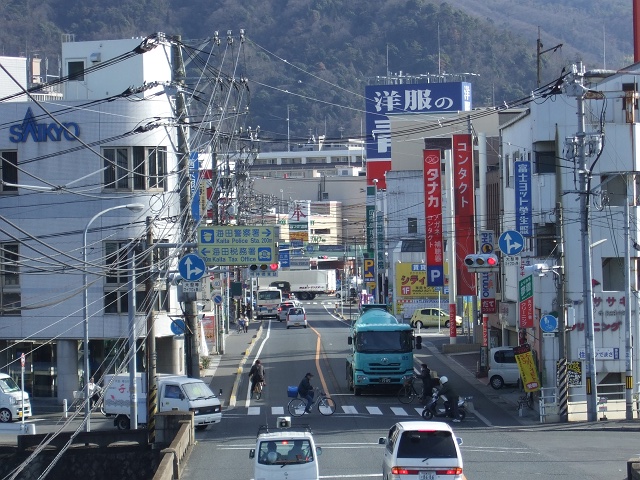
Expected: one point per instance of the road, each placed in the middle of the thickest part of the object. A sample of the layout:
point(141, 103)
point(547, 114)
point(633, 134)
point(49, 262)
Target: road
point(496, 445)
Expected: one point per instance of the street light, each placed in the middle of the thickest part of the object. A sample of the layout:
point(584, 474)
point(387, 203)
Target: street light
point(134, 207)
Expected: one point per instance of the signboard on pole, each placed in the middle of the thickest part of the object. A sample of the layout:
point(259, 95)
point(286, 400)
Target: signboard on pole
point(464, 192)
point(237, 245)
point(433, 216)
point(524, 223)
point(525, 289)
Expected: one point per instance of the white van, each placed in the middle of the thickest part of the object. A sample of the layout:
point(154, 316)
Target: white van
point(175, 392)
point(11, 397)
point(285, 453)
point(417, 450)
point(503, 368)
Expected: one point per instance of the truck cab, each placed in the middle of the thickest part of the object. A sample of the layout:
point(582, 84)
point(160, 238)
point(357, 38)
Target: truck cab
point(285, 452)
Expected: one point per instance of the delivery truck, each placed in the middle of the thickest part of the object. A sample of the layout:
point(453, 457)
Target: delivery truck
point(175, 392)
point(304, 284)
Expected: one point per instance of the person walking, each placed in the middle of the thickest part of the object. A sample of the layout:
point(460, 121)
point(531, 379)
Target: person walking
point(245, 320)
point(94, 392)
point(305, 390)
point(256, 374)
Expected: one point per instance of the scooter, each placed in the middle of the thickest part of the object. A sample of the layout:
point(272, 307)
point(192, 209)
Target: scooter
point(431, 409)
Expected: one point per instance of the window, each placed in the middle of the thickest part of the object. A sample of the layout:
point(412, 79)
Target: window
point(545, 162)
point(429, 444)
point(412, 225)
point(172, 391)
point(10, 298)
point(9, 169)
point(545, 239)
point(116, 298)
point(76, 70)
point(135, 168)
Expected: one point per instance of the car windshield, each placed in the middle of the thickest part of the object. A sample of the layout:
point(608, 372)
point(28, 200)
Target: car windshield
point(384, 342)
point(427, 444)
point(7, 385)
point(197, 391)
point(269, 295)
point(285, 452)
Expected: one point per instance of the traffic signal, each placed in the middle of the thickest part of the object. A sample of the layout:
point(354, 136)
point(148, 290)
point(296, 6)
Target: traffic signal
point(481, 262)
point(263, 268)
point(273, 267)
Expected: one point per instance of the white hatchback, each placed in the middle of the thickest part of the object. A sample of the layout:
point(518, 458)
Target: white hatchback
point(296, 317)
point(418, 450)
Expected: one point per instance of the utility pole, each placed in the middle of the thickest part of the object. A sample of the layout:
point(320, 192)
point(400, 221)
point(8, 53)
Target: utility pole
point(191, 347)
point(563, 379)
point(577, 89)
point(629, 199)
point(152, 387)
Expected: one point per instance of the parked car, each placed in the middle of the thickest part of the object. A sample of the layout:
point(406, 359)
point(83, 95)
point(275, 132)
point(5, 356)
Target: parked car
point(283, 308)
point(296, 317)
point(421, 450)
point(432, 317)
point(503, 368)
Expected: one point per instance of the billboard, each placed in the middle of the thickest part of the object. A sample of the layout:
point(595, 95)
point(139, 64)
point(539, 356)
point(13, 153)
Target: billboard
point(433, 217)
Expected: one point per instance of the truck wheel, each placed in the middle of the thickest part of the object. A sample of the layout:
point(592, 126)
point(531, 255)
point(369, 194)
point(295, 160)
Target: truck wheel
point(311, 296)
point(5, 416)
point(122, 422)
point(357, 391)
point(201, 427)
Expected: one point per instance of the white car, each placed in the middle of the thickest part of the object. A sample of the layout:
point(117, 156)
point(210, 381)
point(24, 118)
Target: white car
point(296, 317)
point(419, 450)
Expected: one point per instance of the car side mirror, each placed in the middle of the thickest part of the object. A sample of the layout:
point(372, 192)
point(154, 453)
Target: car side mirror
point(252, 453)
point(182, 396)
point(350, 341)
point(382, 441)
point(318, 450)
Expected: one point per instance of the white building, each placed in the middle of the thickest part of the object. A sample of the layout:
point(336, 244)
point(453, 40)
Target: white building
point(544, 136)
point(65, 162)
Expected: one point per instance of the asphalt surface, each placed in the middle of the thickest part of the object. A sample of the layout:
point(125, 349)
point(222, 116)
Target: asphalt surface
point(226, 370)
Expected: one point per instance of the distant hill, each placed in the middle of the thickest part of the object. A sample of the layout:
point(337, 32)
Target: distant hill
point(314, 57)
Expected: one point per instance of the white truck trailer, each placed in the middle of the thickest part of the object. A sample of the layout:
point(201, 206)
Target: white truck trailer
point(304, 284)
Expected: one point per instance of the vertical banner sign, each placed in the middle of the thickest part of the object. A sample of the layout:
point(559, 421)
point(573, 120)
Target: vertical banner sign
point(523, 198)
point(433, 217)
point(371, 218)
point(487, 279)
point(380, 241)
point(299, 222)
point(453, 326)
point(464, 192)
point(525, 289)
point(194, 167)
point(527, 367)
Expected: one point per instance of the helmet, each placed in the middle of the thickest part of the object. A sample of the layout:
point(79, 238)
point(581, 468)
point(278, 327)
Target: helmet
point(443, 380)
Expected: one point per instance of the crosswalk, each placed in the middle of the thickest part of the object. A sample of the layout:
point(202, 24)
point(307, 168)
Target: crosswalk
point(407, 411)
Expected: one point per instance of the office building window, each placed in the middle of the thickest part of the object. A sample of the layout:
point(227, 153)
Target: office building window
point(412, 225)
point(76, 70)
point(135, 168)
point(10, 298)
point(9, 170)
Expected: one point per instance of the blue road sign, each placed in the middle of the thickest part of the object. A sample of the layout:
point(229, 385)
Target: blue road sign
point(191, 267)
point(217, 299)
point(177, 327)
point(511, 242)
point(548, 324)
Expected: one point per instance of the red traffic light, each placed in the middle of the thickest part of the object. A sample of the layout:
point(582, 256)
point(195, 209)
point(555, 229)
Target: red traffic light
point(273, 267)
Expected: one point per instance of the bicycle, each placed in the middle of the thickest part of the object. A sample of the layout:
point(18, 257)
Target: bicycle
point(326, 406)
point(257, 390)
point(408, 392)
point(525, 400)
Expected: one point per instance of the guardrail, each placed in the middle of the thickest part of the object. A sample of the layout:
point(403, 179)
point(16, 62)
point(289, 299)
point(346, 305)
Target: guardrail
point(173, 458)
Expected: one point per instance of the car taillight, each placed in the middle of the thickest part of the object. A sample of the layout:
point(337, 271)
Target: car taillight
point(403, 471)
point(450, 471)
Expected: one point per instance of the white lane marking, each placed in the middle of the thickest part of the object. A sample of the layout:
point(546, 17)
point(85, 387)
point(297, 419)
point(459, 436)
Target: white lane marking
point(277, 410)
point(374, 410)
point(349, 409)
point(399, 411)
point(253, 411)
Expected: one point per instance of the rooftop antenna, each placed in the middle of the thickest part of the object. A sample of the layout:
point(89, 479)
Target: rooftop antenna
point(439, 49)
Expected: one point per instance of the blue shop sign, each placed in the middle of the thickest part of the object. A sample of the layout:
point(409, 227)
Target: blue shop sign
point(42, 132)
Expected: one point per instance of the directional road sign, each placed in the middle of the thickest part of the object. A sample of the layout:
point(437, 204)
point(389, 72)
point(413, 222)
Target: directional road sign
point(177, 327)
point(237, 245)
point(511, 242)
point(548, 323)
point(191, 267)
point(217, 299)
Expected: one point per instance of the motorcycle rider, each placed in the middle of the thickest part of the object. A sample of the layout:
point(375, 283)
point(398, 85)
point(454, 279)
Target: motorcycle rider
point(448, 391)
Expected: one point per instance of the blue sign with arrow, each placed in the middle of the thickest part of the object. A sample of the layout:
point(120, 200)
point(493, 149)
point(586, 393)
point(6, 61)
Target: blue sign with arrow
point(191, 267)
point(178, 327)
point(511, 242)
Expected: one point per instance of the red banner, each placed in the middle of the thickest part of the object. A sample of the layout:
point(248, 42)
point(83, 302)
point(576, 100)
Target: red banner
point(453, 326)
point(464, 193)
point(433, 217)
point(526, 313)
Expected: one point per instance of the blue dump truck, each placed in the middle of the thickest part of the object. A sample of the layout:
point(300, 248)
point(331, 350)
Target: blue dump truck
point(381, 350)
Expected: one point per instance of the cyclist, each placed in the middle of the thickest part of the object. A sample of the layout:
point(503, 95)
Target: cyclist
point(448, 391)
point(427, 382)
point(305, 390)
point(256, 374)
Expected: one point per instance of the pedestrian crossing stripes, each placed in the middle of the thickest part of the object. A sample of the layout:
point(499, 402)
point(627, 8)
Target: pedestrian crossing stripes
point(344, 409)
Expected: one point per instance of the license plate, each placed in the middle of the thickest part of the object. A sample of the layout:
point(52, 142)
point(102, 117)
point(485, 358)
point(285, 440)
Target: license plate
point(427, 476)
point(385, 380)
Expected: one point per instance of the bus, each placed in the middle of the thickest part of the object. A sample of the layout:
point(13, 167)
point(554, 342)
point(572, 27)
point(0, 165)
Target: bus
point(267, 302)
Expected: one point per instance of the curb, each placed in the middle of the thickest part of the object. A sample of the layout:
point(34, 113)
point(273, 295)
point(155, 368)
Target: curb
point(236, 382)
